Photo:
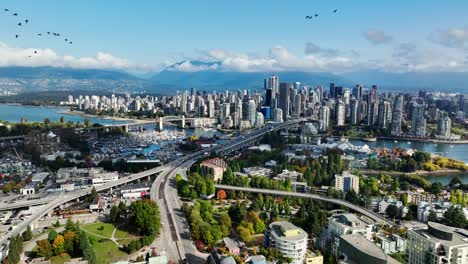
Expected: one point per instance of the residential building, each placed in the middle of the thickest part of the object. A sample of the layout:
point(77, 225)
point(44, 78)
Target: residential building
point(341, 224)
point(346, 182)
point(418, 121)
point(290, 240)
point(284, 99)
point(313, 258)
point(215, 167)
point(354, 248)
point(438, 244)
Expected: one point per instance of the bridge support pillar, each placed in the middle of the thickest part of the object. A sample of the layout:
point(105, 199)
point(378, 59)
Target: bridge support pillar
point(161, 124)
point(125, 128)
point(183, 121)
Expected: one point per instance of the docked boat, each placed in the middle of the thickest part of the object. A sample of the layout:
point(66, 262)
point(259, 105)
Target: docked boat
point(369, 139)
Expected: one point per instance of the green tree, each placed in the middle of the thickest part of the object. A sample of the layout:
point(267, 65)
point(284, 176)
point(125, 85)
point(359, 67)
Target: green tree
point(454, 216)
point(93, 195)
point(114, 214)
point(52, 235)
point(62, 120)
point(145, 217)
point(27, 235)
point(87, 122)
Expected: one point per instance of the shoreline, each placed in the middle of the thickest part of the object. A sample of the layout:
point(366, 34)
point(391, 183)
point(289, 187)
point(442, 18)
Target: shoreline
point(427, 140)
point(105, 117)
point(444, 172)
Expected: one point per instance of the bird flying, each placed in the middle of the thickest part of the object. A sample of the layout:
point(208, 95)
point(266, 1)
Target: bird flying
point(19, 24)
point(316, 15)
point(39, 34)
point(26, 21)
point(16, 36)
point(336, 10)
point(15, 14)
point(6, 10)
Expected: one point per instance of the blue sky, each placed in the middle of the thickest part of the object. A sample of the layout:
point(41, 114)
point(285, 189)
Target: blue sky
point(152, 34)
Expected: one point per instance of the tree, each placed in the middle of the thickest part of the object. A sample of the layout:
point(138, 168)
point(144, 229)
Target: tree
point(57, 223)
point(455, 181)
point(52, 235)
point(352, 197)
point(15, 249)
point(114, 214)
point(392, 211)
point(69, 238)
point(210, 188)
point(44, 249)
point(123, 210)
point(93, 195)
point(145, 216)
point(87, 122)
point(454, 216)
point(222, 194)
point(225, 220)
point(27, 235)
point(58, 246)
point(85, 246)
point(62, 120)
point(432, 216)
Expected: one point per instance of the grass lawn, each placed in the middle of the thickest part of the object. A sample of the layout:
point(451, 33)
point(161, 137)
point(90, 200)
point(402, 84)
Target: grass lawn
point(106, 250)
point(95, 229)
point(59, 259)
point(126, 241)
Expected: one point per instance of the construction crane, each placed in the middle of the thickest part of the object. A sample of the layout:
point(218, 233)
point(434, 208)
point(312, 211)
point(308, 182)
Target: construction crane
point(17, 155)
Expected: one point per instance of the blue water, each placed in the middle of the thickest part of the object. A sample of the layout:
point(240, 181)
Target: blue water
point(454, 151)
point(16, 113)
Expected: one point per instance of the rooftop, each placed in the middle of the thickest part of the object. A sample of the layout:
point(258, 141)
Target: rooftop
point(439, 233)
point(287, 230)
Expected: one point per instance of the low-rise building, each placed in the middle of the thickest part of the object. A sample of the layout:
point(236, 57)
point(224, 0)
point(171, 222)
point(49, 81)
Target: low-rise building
point(290, 240)
point(257, 259)
point(313, 258)
point(215, 167)
point(258, 171)
point(287, 174)
point(28, 189)
point(135, 190)
point(39, 178)
point(231, 246)
point(391, 244)
point(105, 177)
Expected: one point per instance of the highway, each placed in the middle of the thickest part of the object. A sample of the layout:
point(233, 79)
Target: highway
point(374, 216)
point(165, 169)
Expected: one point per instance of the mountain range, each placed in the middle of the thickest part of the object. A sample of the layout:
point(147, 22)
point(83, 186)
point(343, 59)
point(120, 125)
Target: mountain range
point(167, 81)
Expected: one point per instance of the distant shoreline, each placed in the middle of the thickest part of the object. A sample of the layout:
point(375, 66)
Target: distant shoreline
point(424, 140)
point(443, 172)
point(106, 117)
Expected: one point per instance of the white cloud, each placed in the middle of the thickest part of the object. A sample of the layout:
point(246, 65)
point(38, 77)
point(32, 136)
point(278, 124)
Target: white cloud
point(11, 56)
point(377, 37)
point(452, 37)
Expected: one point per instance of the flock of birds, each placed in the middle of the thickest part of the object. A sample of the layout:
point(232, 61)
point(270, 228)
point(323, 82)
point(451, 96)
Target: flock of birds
point(316, 15)
point(26, 21)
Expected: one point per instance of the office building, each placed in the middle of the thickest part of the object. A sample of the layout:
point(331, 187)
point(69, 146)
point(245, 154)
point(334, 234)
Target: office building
point(357, 92)
point(290, 240)
point(273, 84)
point(284, 99)
point(353, 109)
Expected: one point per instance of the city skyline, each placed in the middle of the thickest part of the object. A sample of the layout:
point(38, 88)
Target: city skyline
point(148, 37)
